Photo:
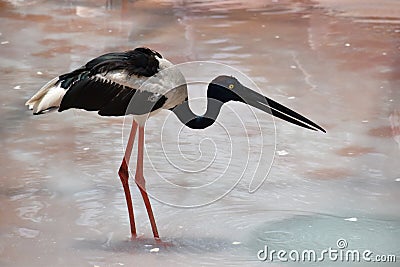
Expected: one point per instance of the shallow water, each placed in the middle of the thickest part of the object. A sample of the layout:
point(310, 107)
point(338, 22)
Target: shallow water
point(337, 62)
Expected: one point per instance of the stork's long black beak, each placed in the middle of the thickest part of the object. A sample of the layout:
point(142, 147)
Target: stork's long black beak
point(270, 106)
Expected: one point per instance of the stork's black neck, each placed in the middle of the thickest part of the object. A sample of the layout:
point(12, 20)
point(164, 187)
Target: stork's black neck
point(191, 120)
point(216, 96)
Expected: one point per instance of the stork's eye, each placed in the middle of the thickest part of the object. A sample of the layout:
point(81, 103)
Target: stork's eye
point(231, 86)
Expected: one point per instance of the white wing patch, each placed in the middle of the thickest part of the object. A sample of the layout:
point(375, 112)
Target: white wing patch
point(168, 81)
point(49, 96)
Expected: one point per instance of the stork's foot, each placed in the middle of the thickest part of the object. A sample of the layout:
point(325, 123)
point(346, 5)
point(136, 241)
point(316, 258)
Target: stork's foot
point(156, 242)
point(137, 237)
point(164, 244)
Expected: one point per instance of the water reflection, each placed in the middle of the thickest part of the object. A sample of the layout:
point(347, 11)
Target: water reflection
point(336, 61)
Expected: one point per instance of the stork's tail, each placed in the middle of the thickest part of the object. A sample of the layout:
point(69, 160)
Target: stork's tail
point(47, 98)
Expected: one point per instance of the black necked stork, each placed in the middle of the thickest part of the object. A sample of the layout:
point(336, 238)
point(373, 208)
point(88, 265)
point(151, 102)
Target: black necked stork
point(108, 84)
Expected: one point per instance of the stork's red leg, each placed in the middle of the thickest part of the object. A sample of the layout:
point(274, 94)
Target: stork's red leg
point(141, 183)
point(124, 176)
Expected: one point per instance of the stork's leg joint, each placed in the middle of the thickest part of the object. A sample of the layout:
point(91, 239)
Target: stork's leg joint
point(140, 182)
point(123, 172)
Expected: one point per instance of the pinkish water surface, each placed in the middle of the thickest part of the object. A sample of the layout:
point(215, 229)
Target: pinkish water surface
point(337, 62)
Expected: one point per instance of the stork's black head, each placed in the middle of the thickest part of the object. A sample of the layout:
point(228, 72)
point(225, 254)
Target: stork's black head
point(223, 88)
point(148, 51)
point(227, 88)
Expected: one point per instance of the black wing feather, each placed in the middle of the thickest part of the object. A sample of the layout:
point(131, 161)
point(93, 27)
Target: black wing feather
point(141, 62)
point(134, 102)
point(110, 98)
point(90, 94)
point(87, 91)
